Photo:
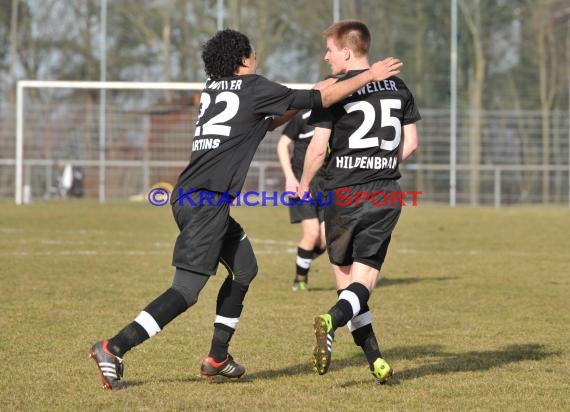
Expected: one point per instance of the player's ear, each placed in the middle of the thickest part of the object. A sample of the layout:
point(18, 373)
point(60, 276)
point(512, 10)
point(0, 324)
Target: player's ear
point(346, 53)
point(247, 60)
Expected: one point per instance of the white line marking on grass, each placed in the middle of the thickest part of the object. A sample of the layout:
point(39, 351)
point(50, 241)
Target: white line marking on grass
point(126, 253)
point(444, 252)
point(292, 246)
point(75, 242)
point(274, 252)
point(272, 247)
point(273, 242)
point(474, 252)
point(85, 253)
point(10, 230)
point(81, 232)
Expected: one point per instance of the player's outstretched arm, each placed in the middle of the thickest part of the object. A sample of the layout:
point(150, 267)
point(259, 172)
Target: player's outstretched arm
point(284, 118)
point(380, 70)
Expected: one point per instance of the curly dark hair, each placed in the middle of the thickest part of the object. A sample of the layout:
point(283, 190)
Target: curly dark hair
point(223, 53)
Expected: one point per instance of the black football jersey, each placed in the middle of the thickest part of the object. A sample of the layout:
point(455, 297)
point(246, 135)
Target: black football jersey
point(301, 133)
point(366, 132)
point(235, 114)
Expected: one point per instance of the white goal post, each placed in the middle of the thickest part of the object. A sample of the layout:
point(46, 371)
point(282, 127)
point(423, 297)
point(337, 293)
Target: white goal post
point(95, 85)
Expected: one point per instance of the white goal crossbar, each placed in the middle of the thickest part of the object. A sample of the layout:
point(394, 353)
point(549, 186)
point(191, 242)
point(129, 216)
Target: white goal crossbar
point(22, 84)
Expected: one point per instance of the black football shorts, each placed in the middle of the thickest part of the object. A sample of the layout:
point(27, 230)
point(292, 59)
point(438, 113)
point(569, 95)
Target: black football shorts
point(209, 234)
point(362, 232)
point(302, 211)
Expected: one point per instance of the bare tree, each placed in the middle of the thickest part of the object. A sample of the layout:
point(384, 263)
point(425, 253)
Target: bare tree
point(549, 60)
point(471, 12)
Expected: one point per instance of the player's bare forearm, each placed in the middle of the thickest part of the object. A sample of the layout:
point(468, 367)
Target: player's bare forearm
point(313, 163)
point(284, 118)
point(406, 152)
point(291, 185)
point(380, 70)
point(323, 84)
point(314, 159)
point(409, 143)
point(284, 155)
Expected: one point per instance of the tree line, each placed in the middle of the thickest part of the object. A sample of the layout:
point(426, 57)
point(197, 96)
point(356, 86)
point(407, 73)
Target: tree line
point(512, 54)
point(518, 49)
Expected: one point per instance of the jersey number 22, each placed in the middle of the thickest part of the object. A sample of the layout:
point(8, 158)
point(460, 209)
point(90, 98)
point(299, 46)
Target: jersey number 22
point(214, 126)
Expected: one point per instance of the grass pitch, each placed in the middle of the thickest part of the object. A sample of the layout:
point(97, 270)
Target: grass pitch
point(472, 312)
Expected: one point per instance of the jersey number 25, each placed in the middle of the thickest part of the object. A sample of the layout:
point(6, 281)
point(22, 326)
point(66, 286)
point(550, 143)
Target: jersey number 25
point(357, 139)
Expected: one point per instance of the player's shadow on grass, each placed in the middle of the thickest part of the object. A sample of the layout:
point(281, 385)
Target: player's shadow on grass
point(478, 360)
point(293, 370)
point(447, 362)
point(384, 282)
point(438, 362)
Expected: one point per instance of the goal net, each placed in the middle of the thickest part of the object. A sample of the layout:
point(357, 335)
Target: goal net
point(113, 140)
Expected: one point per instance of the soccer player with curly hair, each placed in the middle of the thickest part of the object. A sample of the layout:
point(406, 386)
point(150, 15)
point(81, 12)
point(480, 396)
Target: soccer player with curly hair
point(237, 108)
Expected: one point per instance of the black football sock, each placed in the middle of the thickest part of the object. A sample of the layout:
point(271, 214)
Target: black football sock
point(228, 310)
point(349, 303)
point(366, 339)
point(221, 342)
point(149, 322)
point(340, 313)
point(317, 251)
point(130, 336)
point(371, 349)
point(303, 264)
point(363, 334)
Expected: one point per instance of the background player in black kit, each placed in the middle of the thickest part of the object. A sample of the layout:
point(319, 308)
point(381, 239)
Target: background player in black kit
point(298, 134)
point(237, 107)
point(368, 134)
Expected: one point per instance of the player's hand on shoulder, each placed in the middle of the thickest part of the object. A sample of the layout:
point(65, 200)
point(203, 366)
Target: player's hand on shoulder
point(388, 67)
point(323, 84)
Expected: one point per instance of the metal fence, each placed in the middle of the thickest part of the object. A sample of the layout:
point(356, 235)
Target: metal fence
point(149, 142)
